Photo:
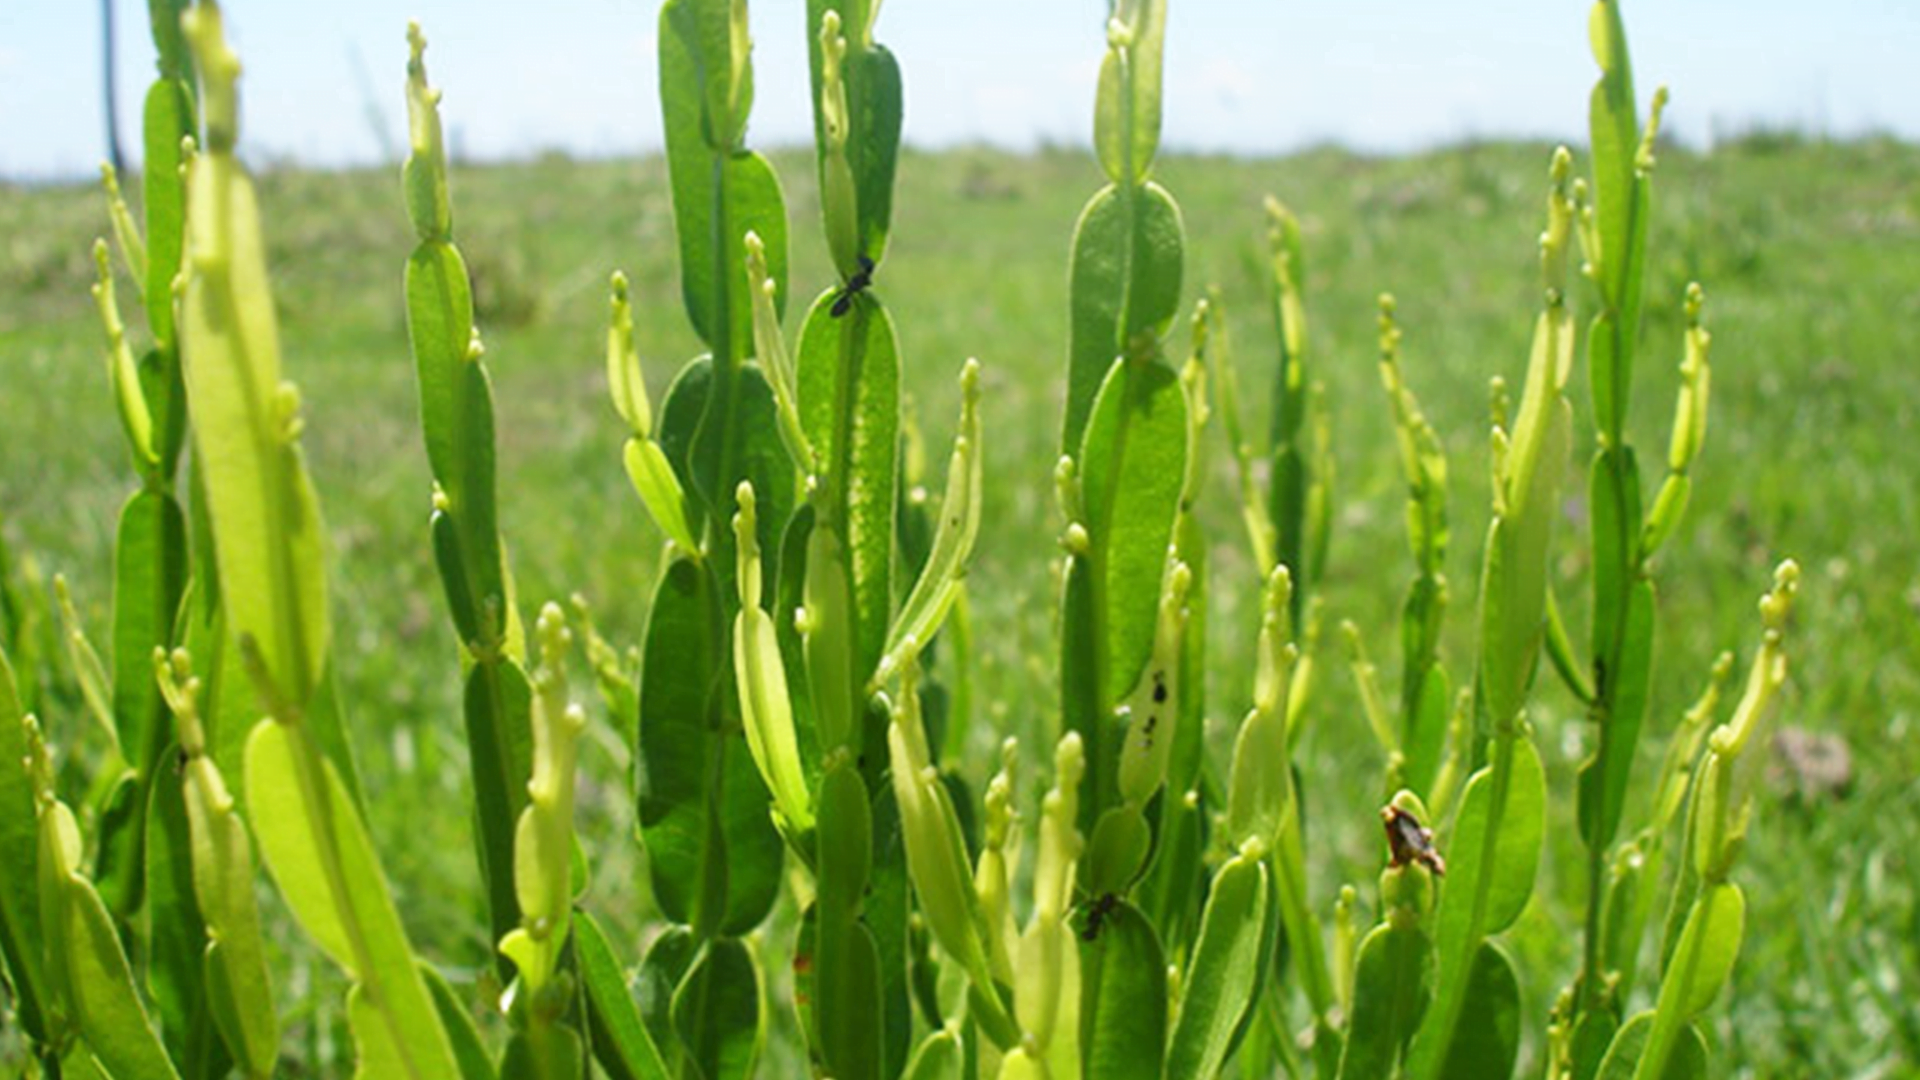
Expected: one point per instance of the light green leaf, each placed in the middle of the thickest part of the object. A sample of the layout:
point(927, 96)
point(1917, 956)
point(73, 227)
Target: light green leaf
point(712, 224)
point(1123, 996)
point(620, 1040)
point(1220, 979)
point(1716, 926)
point(149, 576)
point(1688, 1061)
point(246, 423)
point(1392, 983)
point(177, 938)
point(468, 1049)
point(21, 938)
point(1494, 849)
point(716, 1010)
point(84, 948)
point(1126, 116)
point(849, 383)
point(679, 670)
point(345, 907)
point(1488, 1036)
point(939, 1057)
point(1131, 467)
point(497, 707)
point(1123, 289)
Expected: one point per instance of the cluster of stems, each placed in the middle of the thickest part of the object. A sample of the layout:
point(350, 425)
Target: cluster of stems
point(800, 700)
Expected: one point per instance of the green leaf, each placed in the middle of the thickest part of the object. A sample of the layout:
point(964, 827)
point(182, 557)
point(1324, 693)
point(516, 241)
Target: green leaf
point(849, 387)
point(1392, 983)
point(1688, 1061)
point(1593, 1033)
point(1514, 581)
point(1117, 851)
point(547, 1052)
point(1126, 115)
point(1615, 131)
point(1488, 1035)
point(456, 417)
point(885, 913)
point(1123, 996)
point(753, 853)
point(847, 963)
point(468, 1049)
point(1131, 468)
point(680, 666)
point(712, 224)
point(1220, 978)
point(667, 962)
point(620, 1040)
point(939, 1057)
point(1492, 853)
point(874, 105)
point(681, 411)
point(1715, 928)
point(714, 855)
point(716, 1010)
point(1603, 781)
point(150, 574)
point(1494, 850)
point(1080, 690)
point(1169, 893)
point(874, 98)
point(1123, 284)
point(166, 118)
point(21, 941)
point(345, 907)
point(264, 513)
point(121, 827)
point(84, 948)
point(497, 706)
point(177, 942)
point(1613, 494)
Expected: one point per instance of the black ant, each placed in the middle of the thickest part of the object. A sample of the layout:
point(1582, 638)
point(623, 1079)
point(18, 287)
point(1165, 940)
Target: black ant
point(1097, 912)
point(861, 279)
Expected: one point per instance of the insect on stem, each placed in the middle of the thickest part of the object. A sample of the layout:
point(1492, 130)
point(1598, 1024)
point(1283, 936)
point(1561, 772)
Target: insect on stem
point(861, 279)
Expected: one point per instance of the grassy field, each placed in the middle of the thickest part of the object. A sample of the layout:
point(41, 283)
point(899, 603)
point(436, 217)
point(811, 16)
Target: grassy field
point(1810, 254)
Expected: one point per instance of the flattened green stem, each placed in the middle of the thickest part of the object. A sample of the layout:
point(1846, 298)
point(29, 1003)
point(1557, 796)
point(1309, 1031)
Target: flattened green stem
point(1526, 472)
point(1615, 238)
point(266, 523)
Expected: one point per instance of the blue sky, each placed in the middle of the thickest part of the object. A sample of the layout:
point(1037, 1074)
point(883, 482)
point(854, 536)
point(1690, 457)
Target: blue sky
point(1249, 76)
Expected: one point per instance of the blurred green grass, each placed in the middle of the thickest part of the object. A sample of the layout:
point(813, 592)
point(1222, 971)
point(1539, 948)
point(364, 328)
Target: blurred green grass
point(1810, 253)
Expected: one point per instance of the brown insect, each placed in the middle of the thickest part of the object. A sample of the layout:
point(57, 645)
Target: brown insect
point(1408, 841)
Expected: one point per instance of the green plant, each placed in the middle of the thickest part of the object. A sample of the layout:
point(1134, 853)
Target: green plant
point(792, 696)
